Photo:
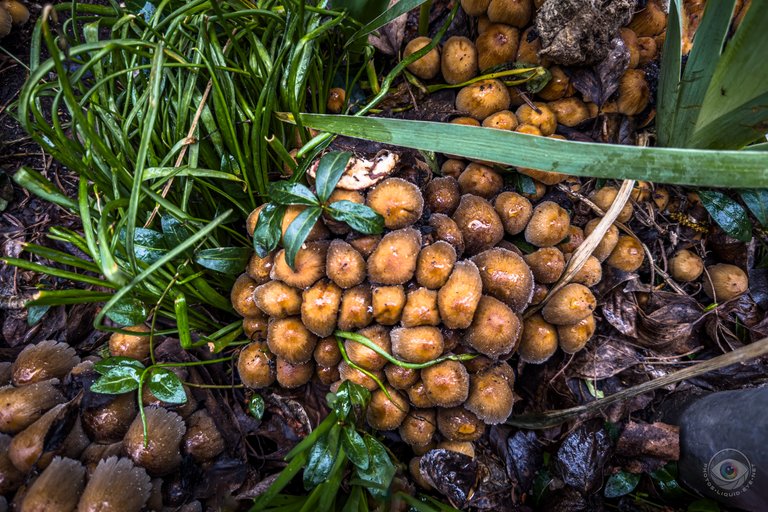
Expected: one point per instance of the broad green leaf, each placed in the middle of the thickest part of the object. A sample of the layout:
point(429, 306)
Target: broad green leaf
point(36, 313)
point(728, 214)
point(620, 484)
point(167, 386)
point(108, 364)
point(298, 231)
point(665, 480)
point(734, 110)
point(669, 78)
point(355, 447)
point(340, 401)
point(42, 187)
point(697, 74)
point(227, 260)
point(739, 169)
point(285, 193)
point(757, 202)
point(380, 471)
point(128, 310)
point(358, 216)
point(266, 236)
point(322, 456)
point(120, 379)
point(329, 171)
point(175, 231)
point(256, 406)
point(148, 245)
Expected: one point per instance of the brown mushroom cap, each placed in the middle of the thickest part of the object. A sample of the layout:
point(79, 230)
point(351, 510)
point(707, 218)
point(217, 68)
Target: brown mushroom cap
point(459, 424)
point(571, 303)
point(495, 329)
point(419, 427)
point(483, 98)
point(327, 375)
point(590, 273)
point(337, 97)
point(573, 240)
point(386, 412)
point(496, 45)
point(320, 307)
point(628, 255)
point(501, 120)
point(364, 356)
point(292, 376)
point(607, 243)
point(421, 308)
point(545, 120)
point(356, 309)
point(345, 265)
point(490, 397)
point(428, 66)
point(394, 259)
point(10, 477)
point(724, 282)
point(102, 493)
point(309, 265)
point(242, 297)
point(417, 395)
point(538, 341)
point(41, 361)
point(256, 366)
point(575, 336)
point(290, 339)
point(448, 231)
point(604, 198)
point(442, 194)
point(480, 225)
point(506, 276)
point(160, 455)
point(278, 300)
point(557, 87)
point(480, 180)
point(514, 211)
point(340, 194)
point(417, 344)
point(398, 201)
point(22, 406)
point(686, 266)
point(548, 225)
point(547, 264)
point(327, 352)
point(634, 92)
point(388, 303)
point(346, 372)
point(399, 377)
point(464, 447)
point(458, 61)
point(512, 12)
point(202, 441)
point(57, 488)
point(475, 7)
point(364, 244)
point(570, 111)
point(259, 268)
point(457, 300)
point(446, 383)
point(27, 446)
point(434, 264)
point(109, 423)
point(451, 168)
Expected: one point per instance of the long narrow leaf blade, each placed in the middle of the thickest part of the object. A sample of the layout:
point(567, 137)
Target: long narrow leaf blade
point(735, 169)
point(669, 79)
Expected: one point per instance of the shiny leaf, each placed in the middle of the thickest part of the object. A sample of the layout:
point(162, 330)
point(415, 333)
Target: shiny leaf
point(148, 245)
point(128, 311)
point(359, 217)
point(380, 470)
point(298, 231)
point(329, 171)
point(256, 406)
point(322, 456)
point(105, 365)
point(227, 260)
point(355, 447)
point(167, 386)
point(175, 231)
point(729, 214)
point(267, 233)
point(285, 193)
point(757, 202)
point(620, 484)
point(120, 379)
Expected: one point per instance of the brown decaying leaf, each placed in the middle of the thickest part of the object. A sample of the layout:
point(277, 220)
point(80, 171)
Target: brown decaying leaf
point(601, 81)
point(603, 360)
point(582, 455)
point(658, 440)
point(671, 324)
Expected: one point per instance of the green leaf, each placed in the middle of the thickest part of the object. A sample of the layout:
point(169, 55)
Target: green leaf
point(380, 471)
point(227, 260)
point(110, 363)
point(36, 313)
point(266, 236)
point(363, 12)
point(322, 456)
point(128, 310)
point(329, 171)
point(148, 245)
point(167, 386)
point(355, 447)
point(728, 214)
point(666, 480)
point(120, 379)
point(175, 231)
point(739, 169)
point(620, 484)
point(256, 407)
point(298, 231)
point(285, 193)
point(669, 77)
point(42, 187)
point(358, 216)
point(757, 202)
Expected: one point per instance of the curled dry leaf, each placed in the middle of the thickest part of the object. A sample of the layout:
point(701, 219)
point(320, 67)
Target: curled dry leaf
point(362, 173)
point(602, 80)
point(620, 311)
point(670, 326)
point(605, 360)
point(454, 474)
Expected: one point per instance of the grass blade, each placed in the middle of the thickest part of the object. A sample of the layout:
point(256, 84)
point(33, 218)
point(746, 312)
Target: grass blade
point(669, 79)
point(737, 169)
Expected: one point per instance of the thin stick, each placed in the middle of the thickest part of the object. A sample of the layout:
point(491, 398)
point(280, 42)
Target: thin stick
point(553, 418)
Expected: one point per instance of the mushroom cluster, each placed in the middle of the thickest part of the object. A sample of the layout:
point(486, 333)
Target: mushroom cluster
point(63, 447)
point(12, 12)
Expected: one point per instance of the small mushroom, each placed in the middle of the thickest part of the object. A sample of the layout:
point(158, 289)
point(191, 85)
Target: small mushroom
point(417, 344)
point(459, 424)
point(457, 300)
point(506, 276)
point(116, 485)
point(571, 303)
point(434, 264)
point(724, 282)
point(320, 307)
point(48, 359)
point(290, 339)
point(256, 366)
point(446, 383)
point(159, 453)
point(394, 259)
point(57, 488)
point(277, 300)
point(428, 66)
point(309, 265)
point(539, 340)
point(458, 62)
point(421, 308)
point(388, 303)
point(398, 201)
point(386, 412)
point(548, 225)
point(495, 330)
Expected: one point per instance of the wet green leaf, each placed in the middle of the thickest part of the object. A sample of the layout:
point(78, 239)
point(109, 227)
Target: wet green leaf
point(285, 193)
point(355, 447)
point(298, 231)
point(266, 236)
point(380, 470)
point(175, 231)
point(110, 363)
point(728, 214)
point(167, 386)
point(620, 484)
point(42, 187)
point(329, 171)
point(757, 202)
point(359, 217)
point(128, 311)
point(665, 480)
point(256, 407)
point(227, 260)
point(120, 379)
point(148, 245)
point(322, 456)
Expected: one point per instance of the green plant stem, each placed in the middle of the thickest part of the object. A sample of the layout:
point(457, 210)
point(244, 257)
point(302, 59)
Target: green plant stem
point(535, 71)
point(424, 17)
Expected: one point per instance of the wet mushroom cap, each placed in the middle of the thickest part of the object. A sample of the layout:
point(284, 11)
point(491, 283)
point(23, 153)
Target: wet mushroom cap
point(394, 259)
point(290, 339)
point(538, 341)
point(277, 300)
point(628, 255)
point(421, 308)
point(490, 397)
point(686, 266)
point(548, 225)
point(308, 268)
point(459, 424)
point(514, 211)
point(457, 300)
point(45, 360)
point(160, 452)
point(458, 61)
point(386, 412)
point(446, 383)
point(418, 427)
point(57, 488)
point(388, 303)
point(398, 201)
point(434, 264)
point(417, 344)
point(570, 304)
point(320, 307)
point(495, 329)
point(345, 266)
point(574, 337)
point(724, 282)
point(426, 67)
point(364, 356)
point(506, 276)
